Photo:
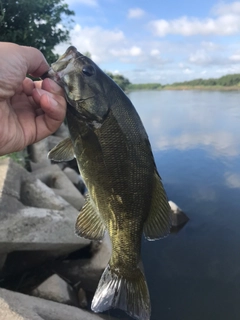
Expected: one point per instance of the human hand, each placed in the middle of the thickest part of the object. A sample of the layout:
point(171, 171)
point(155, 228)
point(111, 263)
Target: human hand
point(29, 110)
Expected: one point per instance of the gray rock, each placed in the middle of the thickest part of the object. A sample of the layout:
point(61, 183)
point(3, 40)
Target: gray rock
point(11, 177)
point(178, 216)
point(75, 199)
point(75, 178)
point(61, 185)
point(72, 175)
point(17, 306)
point(53, 141)
point(38, 154)
point(35, 193)
point(56, 289)
point(82, 298)
point(102, 254)
point(40, 229)
point(87, 271)
point(30, 228)
point(62, 131)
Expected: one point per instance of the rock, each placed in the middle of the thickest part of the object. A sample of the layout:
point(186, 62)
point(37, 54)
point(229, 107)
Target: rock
point(31, 228)
point(54, 178)
point(53, 141)
point(102, 255)
point(76, 200)
point(11, 177)
point(87, 271)
point(62, 131)
point(72, 175)
point(75, 178)
point(56, 289)
point(82, 298)
point(179, 218)
point(40, 229)
point(24, 270)
point(35, 193)
point(38, 154)
point(3, 258)
point(17, 306)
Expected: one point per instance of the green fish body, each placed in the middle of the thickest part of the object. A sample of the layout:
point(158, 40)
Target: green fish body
point(125, 194)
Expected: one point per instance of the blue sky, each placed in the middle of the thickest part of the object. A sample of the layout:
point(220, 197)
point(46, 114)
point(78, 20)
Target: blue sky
point(159, 41)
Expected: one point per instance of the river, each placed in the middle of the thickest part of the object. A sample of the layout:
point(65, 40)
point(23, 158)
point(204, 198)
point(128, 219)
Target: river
point(195, 136)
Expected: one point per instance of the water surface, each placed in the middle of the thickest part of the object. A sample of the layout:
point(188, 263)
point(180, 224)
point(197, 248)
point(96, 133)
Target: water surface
point(195, 136)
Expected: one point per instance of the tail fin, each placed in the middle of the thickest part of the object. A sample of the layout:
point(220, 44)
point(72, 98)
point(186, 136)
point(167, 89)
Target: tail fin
point(130, 295)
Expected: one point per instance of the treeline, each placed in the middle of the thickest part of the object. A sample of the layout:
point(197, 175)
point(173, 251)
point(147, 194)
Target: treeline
point(225, 81)
point(123, 82)
point(230, 80)
point(144, 86)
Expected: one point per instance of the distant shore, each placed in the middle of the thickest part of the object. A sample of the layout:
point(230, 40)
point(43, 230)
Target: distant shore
point(207, 88)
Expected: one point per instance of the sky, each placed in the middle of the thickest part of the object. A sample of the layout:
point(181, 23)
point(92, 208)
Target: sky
point(158, 41)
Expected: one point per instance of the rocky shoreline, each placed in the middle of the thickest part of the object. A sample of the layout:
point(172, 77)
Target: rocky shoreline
point(46, 271)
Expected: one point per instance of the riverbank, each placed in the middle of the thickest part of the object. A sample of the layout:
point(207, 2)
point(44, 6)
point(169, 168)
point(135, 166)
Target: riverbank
point(208, 88)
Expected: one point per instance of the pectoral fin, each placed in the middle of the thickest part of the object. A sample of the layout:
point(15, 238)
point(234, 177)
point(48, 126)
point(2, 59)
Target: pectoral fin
point(158, 222)
point(89, 224)
point(63, 151)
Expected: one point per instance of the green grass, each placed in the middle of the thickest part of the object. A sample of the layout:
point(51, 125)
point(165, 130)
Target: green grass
point(18, 157)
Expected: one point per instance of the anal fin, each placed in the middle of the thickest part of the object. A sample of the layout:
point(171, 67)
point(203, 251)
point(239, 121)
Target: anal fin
point(158, 222)
point(89, 224)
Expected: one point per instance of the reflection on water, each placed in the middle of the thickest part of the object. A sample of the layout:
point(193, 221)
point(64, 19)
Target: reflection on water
point(191, 119)
point(195, 136)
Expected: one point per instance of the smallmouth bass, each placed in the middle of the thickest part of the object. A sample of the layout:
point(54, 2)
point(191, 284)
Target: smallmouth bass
point(126, 197)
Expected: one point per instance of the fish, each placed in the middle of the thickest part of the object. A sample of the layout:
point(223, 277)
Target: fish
point(126, 197)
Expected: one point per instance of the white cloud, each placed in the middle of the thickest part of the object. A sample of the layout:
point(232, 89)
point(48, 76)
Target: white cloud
point(232, 180)
point(125, 52)
point(154, 52)
point(135, 13)
point(188, 71)
point(209, 45)
point(135, 51)
point(226, 23)
point(200, 57)
point(230, 8)
point(219, 143)
point(90, 3)
point(235, 58)
point(98, 41)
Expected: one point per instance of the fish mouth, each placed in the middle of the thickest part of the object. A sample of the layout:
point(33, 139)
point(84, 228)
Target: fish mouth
point(60, 67)
point(65, 59)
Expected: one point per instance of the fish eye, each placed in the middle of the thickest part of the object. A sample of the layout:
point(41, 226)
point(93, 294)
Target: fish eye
point(88, 70)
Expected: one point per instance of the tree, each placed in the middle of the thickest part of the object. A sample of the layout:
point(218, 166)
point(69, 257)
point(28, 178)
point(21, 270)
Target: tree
point(120, 80)
point(42, 24)
point(87, 54)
